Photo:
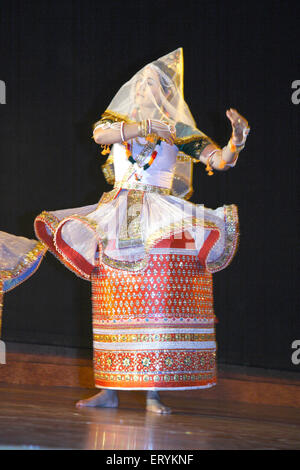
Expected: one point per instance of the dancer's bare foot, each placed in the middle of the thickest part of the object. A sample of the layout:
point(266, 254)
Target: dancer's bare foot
point(155, 405)
point(104, 399)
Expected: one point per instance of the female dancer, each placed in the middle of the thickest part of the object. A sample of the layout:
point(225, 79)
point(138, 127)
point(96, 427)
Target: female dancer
point(148, 252)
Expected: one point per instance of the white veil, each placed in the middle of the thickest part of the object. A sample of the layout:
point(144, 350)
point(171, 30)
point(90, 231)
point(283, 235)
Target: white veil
point(167, 105)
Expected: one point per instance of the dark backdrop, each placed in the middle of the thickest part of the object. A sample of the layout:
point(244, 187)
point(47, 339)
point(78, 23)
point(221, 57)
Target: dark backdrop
point(62, 62)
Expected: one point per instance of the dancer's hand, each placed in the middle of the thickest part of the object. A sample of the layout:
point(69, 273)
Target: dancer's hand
point(164, 130)
point(240, 127)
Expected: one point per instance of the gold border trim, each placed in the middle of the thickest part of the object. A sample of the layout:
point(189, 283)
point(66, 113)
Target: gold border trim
point(31, 257)
point(157, 236)
point(232, 239)
point(149, 188)
point(28, 260)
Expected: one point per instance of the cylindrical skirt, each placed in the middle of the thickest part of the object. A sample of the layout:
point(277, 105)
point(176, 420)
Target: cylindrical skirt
point(154, 330)
point(152, 291)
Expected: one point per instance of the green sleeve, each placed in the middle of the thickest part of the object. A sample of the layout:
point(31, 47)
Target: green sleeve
point(195, 148)
point(191, 141)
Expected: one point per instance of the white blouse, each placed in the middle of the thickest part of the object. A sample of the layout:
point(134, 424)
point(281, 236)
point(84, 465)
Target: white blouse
point(160, 173)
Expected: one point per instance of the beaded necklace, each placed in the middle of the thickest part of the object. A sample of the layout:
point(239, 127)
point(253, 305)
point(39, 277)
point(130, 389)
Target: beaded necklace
point(147, 149)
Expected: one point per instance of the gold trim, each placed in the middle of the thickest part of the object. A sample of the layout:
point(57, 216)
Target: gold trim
point(29, 259)
point(154, 336)
point(149, 188)
point(48, 218)
point(157, 236)
point(183, 157)
point(190, 138)
point(108, 170)
point(132, 221)
point(109, 114)
point(108, 196)
point(231, 242)
point(232, 238)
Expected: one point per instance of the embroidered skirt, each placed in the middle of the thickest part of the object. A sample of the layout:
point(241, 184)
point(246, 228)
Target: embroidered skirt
point(154, 330)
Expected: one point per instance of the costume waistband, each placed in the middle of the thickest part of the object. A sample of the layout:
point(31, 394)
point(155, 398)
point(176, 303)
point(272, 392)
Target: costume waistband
point(149, 188)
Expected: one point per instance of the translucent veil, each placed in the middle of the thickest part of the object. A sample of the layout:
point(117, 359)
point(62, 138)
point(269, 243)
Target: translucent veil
point(155, 91)
point(164, 102)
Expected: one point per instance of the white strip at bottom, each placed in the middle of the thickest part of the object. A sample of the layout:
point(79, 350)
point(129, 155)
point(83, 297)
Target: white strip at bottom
point(158, 388)
point(153, 346)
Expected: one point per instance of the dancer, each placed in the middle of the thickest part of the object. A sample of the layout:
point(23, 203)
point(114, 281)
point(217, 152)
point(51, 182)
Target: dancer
point(148, 252)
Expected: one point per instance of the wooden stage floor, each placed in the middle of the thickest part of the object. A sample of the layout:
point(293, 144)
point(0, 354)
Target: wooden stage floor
point(33, 417)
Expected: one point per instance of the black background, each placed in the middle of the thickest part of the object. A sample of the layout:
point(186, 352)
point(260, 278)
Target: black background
point(63, 61)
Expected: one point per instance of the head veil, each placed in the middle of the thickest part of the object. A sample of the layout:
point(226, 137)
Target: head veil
point(167, 105)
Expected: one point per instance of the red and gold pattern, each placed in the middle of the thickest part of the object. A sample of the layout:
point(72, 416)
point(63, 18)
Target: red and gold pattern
point(155, 329)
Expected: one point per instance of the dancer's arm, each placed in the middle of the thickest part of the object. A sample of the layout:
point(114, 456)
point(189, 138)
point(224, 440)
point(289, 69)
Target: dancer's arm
point(225, 158)
point(107, 133)
point(110, 134)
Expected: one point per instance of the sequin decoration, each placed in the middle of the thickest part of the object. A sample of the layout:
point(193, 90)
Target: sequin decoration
point(131, 231)
point(154, 330)
point(25, 268)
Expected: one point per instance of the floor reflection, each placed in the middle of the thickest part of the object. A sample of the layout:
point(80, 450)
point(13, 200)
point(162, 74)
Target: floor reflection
point(136, 430)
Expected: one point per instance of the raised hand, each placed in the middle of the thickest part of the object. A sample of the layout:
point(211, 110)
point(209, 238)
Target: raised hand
point(240, 127)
